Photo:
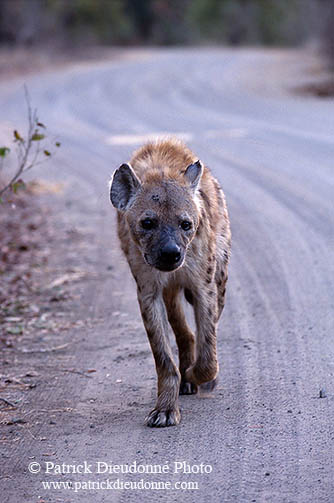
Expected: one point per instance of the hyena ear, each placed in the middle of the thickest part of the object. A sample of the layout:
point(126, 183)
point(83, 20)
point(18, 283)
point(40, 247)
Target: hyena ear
point(193, 174)
point(123, 186)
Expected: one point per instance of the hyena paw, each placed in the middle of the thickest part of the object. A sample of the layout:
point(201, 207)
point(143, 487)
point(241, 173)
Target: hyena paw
point(200, 374)
point(210, 385)
point(161, 418)
point(188, 388)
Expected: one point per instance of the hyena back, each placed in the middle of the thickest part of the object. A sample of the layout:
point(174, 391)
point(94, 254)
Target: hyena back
point(174, 231)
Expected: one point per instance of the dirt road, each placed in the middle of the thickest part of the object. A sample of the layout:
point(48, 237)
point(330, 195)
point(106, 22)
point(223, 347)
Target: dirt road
point(264, 435)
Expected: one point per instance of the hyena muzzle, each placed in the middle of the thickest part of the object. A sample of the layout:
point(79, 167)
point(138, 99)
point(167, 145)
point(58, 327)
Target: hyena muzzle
point(174, 231)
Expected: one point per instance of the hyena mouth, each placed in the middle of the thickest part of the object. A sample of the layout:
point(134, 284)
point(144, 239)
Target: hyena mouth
point(165, 266)
point(169, 268)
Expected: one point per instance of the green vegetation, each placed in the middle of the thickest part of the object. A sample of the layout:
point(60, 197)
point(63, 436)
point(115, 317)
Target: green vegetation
point(159, 21)
point(241, 21)
point(30, 151)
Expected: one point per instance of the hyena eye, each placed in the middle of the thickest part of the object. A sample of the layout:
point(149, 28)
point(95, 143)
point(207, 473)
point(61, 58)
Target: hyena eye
point(147, 224)
point(186, 225)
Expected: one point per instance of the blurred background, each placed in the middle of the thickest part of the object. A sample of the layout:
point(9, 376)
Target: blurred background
point(68, 23)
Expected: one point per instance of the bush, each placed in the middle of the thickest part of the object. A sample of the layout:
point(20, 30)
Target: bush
point(31, 150)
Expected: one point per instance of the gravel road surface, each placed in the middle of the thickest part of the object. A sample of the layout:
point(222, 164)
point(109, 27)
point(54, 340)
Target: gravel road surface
point(264, 434)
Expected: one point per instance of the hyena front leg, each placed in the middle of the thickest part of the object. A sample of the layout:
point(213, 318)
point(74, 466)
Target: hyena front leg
point(166, 411)
point(185, 338)
point(205, 368)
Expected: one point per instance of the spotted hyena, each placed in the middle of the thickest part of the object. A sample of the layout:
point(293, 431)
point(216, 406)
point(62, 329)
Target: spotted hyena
point(174, 230)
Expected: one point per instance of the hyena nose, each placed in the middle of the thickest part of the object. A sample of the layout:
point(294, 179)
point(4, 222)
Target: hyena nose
point(170, 254)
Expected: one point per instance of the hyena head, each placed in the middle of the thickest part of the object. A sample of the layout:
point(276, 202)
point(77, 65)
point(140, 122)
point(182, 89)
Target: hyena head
point(161, 212)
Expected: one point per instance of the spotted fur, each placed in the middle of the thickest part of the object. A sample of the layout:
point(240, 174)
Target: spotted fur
point(164, 183)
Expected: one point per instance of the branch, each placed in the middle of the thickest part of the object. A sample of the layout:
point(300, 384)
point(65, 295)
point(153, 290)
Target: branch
point(24, 147)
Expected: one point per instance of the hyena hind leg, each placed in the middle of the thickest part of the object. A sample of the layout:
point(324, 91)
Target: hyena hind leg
point(185, 338)
point(221, 280)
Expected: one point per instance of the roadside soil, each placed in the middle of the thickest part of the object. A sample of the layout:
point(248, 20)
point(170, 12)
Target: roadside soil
point(296, 72)
point(20, 61)
point(39, 284)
